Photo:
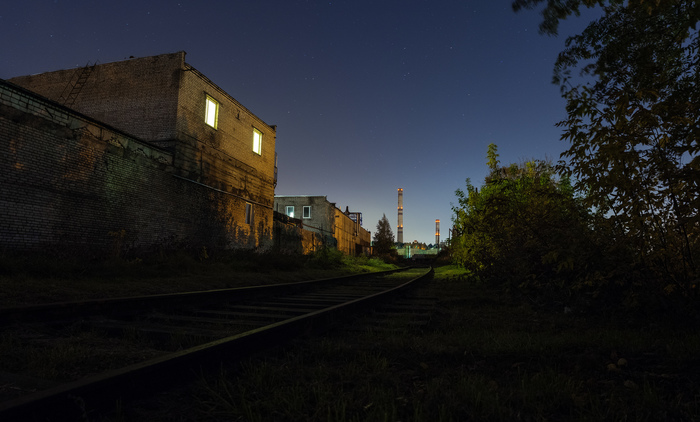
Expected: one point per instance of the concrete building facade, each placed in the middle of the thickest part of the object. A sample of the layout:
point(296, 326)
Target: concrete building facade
point(155, 150)
point(341, 230)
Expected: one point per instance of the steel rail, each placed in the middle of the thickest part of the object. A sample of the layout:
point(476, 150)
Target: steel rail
point(87, 396)
point(134, 304)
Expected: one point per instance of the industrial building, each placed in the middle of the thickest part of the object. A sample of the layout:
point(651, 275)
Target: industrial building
point(337, 228)
point(148, 154)
point(141, 153)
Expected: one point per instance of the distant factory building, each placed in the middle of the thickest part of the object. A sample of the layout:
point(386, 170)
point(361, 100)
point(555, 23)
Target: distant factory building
point(148, 148)
point(340, 229)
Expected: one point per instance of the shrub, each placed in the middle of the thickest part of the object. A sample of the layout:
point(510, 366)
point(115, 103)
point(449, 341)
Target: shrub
point(326, 258)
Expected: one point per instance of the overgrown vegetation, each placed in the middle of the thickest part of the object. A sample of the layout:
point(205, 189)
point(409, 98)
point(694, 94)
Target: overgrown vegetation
point(523, 229)
point(528, 232)
point(616, 222)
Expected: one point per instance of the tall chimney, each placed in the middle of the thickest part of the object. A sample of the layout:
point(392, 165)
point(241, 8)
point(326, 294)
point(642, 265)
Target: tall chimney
point(437, 234)
point(399, 229)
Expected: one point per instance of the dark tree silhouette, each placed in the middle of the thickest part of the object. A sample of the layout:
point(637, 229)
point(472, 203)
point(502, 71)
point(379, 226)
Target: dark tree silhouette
point(632, 122)
point(383, 237)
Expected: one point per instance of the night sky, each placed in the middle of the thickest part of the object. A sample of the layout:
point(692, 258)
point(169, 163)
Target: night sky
point(368, 95)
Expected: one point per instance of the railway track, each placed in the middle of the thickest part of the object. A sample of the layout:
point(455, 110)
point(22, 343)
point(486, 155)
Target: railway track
point(120, 349)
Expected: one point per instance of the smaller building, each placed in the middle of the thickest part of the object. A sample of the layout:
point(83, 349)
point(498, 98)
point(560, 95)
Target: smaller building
point(338, 229)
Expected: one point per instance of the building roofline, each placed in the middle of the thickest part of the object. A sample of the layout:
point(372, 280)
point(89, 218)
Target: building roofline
point(300, 196)
point(98, 63)
point(190, 68)
point(186, 67)
point(77, 114)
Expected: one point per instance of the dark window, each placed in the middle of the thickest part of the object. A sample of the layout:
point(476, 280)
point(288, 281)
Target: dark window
point(249, 213)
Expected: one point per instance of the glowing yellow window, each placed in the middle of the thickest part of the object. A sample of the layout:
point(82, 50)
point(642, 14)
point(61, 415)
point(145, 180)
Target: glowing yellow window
point(257, 141)
point(211, 112)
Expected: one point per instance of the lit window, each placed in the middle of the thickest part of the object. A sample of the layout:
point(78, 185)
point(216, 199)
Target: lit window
point(290, 211)
point(249, 214)
point(211, 112)
point(257, 141)
point(307, 211)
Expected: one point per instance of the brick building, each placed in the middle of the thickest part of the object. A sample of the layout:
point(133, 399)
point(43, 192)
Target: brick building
point(154, 148)
point(342, 230)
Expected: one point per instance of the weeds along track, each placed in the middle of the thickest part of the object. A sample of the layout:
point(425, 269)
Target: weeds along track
point(70, 361)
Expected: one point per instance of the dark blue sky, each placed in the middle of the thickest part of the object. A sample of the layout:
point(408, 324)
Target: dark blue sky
point(368, 96)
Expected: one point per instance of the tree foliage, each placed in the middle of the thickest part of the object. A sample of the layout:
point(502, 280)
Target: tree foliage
point(633, 123)
point(524, 227)
point(383, 238)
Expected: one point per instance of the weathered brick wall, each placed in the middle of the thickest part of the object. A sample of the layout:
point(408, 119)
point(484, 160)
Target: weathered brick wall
point(345, 232)
point(75, 185)
point(224, 156)
point(365, 242)
point(290, 237)
point(138, 96)
point(162, 99)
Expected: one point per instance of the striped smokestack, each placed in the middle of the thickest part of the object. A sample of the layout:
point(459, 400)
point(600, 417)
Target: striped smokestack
point(399, 229)
point(437, 234)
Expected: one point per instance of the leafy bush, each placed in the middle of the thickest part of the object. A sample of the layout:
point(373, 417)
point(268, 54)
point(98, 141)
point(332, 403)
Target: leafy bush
point(326, 258)
point(524, 228)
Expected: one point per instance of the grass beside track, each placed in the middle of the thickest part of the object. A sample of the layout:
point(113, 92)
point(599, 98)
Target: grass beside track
point(29, 281)
point(482, 357)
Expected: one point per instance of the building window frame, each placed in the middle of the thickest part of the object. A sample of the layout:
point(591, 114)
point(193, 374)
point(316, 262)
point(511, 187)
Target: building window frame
point(306, 213)
point(249, 213)
point(257, 141)
point(289, 211)
point(211, 112)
